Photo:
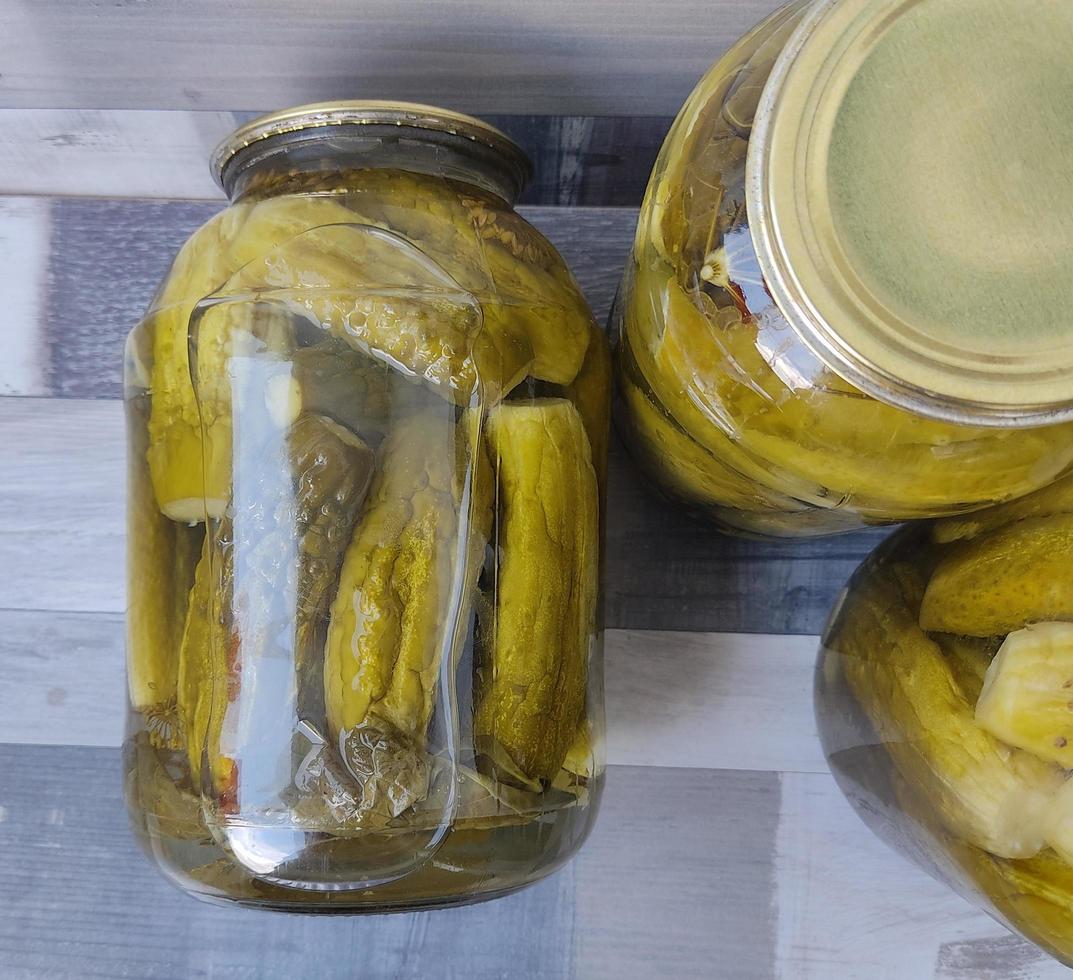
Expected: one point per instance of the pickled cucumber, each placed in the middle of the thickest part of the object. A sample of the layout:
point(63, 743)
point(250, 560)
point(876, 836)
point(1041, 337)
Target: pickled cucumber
point(386, 638)
point(332, 469)
point(434, 300)
point(482, 246)
point(532, 678)
point(1027, 697)
point(969, 658)
point(209, 665)
point(684, 466)
point(161, 557)
point(998, 582)
point(337, 382)
point(826, 442)
point(190, 439)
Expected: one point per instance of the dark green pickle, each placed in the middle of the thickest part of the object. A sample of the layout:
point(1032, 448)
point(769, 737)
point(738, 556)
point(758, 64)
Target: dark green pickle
point(338, 407)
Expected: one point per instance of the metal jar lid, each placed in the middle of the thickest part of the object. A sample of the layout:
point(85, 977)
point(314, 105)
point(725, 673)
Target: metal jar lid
point(320, 116)
point(910, 190)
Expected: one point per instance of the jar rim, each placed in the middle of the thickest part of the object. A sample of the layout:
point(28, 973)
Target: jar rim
point(898, 301)
point(322, 116)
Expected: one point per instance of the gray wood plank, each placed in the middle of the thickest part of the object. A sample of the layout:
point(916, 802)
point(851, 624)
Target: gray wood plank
point(688, 700)
point(594, 161)
point(604, 57)
point(640, 900)
point(62, 485)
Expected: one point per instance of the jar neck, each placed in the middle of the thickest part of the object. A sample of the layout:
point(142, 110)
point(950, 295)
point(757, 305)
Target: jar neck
point(277, 165)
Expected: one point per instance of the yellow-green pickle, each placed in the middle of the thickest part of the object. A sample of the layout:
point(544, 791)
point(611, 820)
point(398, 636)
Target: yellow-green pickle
point(368, 419)
point(945, 703)
point(833, 318)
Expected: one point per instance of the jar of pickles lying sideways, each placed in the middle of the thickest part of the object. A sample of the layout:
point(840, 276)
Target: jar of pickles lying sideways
point(368, 416)
point(945, 704)
point(849, 298)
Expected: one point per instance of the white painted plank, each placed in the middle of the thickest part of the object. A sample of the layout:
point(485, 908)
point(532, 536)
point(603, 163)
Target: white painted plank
point(61, 678)
point(24, 251)
point(850, 907)
point(677, 700)
point(99, 153)
point(599, 57)
point(62, 481)
point(712, 700)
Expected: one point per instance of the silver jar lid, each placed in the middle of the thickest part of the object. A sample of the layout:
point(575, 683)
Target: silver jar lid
point(318, 119)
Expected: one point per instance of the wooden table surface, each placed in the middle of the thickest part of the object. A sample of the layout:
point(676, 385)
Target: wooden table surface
point(724, 848)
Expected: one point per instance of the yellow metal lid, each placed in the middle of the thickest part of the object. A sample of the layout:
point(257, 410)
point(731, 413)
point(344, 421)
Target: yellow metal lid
point(370, 112)
point(910, 189)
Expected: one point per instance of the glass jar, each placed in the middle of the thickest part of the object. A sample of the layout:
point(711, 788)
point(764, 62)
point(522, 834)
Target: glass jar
point(945, 705)
point(848, 301)
point(367, 416)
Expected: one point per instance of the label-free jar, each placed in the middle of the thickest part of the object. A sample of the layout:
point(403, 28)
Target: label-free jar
point(850, 299)
point(367, 417)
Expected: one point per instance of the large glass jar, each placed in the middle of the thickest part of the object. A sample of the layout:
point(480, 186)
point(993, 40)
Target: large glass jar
point(945, 704)
point(367, 417)
point(849, 297)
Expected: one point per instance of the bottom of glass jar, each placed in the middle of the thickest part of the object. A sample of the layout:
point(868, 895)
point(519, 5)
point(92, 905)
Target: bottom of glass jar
point(222, 883)
point(378, 908)
point(474, 863)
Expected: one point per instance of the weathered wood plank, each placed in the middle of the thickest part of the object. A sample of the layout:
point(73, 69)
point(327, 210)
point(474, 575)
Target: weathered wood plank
point(604, 57)
point(594, 161)
point(62, 480)
point(578, 160)
point(61, 678)
point(690, 700)
point(24, 252)
point(62, 485)
point(79, 900)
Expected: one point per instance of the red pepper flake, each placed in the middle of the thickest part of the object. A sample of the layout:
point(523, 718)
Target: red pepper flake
point(228, 796)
